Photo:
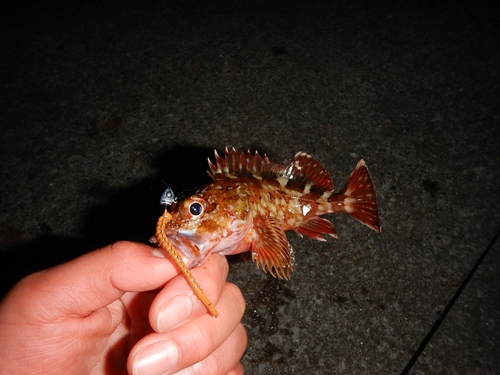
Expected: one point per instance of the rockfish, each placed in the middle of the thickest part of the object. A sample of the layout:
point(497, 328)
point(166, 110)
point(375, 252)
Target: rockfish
point(253, 201)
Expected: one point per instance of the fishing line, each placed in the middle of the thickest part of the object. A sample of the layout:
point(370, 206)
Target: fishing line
point(168, 197)
point(449, 306)
point(152, 179)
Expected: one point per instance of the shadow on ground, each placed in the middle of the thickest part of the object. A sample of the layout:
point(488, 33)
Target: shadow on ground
point(129, 213)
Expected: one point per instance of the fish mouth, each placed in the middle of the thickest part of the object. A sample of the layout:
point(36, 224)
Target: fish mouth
point(187, 243)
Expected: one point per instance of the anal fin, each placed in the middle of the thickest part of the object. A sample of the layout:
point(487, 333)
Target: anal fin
point(270, 248)
point(315, 228)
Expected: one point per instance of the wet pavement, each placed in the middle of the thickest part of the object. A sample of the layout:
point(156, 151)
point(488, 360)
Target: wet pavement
point(100, 101)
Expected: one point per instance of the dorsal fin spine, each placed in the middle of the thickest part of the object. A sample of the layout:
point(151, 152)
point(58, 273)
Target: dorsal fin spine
point(302, 172)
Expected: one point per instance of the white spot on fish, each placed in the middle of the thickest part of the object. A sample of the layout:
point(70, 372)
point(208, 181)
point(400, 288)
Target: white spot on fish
point(327, 194)
point(283, 181)
point(348, 204)
point(306, 209)
point(307, 189)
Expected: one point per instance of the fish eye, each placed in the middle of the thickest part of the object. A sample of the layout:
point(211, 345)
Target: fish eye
point(195, 209)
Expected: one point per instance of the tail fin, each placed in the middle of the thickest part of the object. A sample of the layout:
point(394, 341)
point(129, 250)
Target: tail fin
point(358, 198)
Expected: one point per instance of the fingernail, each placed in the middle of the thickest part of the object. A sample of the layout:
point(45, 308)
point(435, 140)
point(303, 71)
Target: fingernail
point(160, 253)
point(156, 359)
point(174, 312)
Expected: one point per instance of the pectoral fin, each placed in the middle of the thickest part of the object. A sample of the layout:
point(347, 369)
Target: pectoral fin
point(270, 248)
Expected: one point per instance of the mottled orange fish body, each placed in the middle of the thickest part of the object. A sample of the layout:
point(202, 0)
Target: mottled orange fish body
point(252, 202)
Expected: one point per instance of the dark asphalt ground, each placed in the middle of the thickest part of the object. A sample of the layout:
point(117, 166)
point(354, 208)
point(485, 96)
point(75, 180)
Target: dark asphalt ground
point(100, 98)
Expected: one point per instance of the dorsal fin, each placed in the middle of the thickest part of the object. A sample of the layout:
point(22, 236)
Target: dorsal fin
point(302, 173)
point(237, 164)
point(307, 174)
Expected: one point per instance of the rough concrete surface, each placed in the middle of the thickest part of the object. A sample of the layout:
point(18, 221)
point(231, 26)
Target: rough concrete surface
point(100, 98)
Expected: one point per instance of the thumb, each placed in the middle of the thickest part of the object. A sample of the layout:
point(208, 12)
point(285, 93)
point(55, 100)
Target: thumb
point(91, 281)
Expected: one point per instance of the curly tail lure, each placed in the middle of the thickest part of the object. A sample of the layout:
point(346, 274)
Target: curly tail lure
point(167, 199)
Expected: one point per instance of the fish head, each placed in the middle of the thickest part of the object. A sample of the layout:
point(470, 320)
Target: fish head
point(215, 219)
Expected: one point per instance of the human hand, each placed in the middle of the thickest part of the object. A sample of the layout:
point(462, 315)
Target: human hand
point(119, 308)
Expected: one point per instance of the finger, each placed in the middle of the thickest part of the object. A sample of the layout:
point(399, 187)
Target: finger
point(226, 358)
point(237, 370)
point(92, 281)
point(189, 343)
point(177, 303)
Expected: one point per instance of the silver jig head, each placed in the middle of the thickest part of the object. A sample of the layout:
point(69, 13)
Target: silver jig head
point(168, 197)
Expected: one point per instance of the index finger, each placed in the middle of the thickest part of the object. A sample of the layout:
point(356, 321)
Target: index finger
point(92, 281)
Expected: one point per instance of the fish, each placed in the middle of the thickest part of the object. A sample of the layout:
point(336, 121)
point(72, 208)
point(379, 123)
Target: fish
point(252, 202)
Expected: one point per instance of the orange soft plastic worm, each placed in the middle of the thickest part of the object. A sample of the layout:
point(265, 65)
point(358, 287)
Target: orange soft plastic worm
point(167, 246)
